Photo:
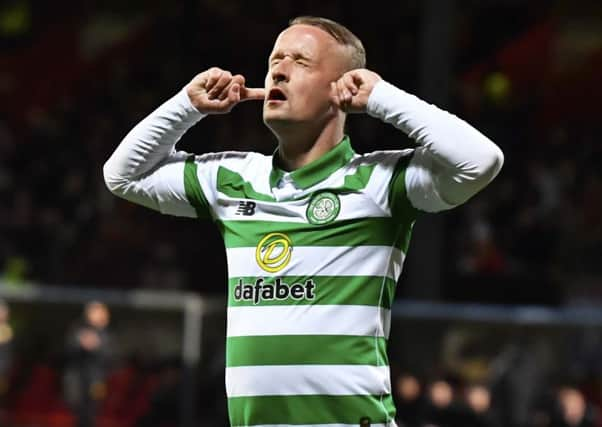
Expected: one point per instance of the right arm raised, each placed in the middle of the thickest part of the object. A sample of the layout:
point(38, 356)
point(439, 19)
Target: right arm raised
point(145, 168)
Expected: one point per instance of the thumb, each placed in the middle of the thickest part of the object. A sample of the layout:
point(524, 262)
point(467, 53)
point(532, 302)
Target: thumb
point(252, 94)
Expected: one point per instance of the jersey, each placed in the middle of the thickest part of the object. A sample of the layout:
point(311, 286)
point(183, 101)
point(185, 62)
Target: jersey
point(313, 258)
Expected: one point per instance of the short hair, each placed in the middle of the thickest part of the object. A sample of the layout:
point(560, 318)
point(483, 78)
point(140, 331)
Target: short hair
point(340, 33)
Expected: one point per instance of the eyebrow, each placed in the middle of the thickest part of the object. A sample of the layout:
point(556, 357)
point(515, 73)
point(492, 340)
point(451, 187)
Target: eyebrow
point(295, 55)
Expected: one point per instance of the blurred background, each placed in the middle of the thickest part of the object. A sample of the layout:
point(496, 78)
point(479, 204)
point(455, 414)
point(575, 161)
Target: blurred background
point(114, 315)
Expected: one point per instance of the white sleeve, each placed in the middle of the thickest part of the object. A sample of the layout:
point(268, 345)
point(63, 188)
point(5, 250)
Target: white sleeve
point(146, 169)
point(452, 161)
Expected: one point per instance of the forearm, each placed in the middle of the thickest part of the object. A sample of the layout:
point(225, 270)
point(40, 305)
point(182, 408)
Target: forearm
point(460, 159)
point(150, 142)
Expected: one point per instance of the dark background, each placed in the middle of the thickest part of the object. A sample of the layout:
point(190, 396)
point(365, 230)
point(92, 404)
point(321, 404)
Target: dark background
point(75, 76)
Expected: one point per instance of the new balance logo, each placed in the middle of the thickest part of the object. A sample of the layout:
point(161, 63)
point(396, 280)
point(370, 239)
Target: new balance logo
point(246, 208)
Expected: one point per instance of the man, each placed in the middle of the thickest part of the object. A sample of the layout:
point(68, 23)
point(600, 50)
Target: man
point(88, 357)
point(315, 234)
point(6, 353)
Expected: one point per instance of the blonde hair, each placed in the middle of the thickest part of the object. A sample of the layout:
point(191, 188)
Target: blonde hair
point(341, 34)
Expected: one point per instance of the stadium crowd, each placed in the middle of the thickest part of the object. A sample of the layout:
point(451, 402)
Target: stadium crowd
point(540, 224)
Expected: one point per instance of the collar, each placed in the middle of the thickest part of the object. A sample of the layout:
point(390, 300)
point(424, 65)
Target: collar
point(318, 170)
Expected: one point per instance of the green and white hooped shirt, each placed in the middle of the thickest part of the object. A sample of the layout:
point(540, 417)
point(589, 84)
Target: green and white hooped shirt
point(313, 255)
point(313, 259)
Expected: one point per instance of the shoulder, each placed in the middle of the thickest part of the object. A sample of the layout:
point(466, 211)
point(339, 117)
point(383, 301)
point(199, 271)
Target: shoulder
point(233, 160)
point(228, 156)
point(369, 171)
point(385, 159)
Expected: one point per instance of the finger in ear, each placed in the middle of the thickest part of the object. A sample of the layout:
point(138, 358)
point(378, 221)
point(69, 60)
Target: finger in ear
point(350, 84)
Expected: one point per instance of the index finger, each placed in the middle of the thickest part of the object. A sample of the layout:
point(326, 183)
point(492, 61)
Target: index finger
point(252, 94)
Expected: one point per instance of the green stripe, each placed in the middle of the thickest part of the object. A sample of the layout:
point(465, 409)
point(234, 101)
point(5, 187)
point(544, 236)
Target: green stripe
point(312, 409)
point(192, 187)
point(401, 207)
point(381, 231)
point(233, 185)
point(306, 350)
point(328, 290)
point(358, 180)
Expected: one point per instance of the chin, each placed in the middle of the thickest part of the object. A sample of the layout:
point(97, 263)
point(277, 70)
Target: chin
point(276, 120)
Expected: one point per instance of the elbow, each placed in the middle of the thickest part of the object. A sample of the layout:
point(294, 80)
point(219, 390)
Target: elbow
point(484, 171)
point(494, 160)
point(458, 185)
point(113, 181)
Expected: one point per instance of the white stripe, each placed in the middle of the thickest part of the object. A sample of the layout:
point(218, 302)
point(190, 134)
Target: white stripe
point(359, 320)
point(353, 206)
point(312, 261)
point(332, 380)
point(391, 424)
point(383, 171)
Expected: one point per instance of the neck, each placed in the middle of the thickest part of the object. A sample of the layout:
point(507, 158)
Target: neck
point(299, 147)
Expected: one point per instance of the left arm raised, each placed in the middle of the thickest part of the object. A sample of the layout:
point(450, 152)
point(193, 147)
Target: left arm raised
point(452, 161)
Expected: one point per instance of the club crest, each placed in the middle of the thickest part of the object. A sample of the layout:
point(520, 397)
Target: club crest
point(323, 208)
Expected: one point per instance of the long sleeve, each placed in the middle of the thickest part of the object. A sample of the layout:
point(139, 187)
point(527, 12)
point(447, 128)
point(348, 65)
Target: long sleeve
point(145, 168)
point(452, 160)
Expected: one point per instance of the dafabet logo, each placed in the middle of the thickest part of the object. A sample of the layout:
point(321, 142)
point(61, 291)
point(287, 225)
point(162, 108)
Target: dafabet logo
point(272, 254)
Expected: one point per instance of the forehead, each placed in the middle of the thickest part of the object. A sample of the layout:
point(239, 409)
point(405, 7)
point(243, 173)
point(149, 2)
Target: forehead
point(305, 39)
point(96, 308)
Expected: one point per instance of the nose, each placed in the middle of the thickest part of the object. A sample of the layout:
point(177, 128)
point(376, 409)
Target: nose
point(280, 72)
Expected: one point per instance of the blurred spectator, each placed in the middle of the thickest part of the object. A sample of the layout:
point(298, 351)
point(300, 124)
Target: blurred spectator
point(478, 407)
point(408, 400)
point(6, 353)
point(88, 358)
point(6, 342)
point(440, 409)
point(573, 410)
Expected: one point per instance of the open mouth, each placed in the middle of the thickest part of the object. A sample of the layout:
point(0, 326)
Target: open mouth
point(276, 94)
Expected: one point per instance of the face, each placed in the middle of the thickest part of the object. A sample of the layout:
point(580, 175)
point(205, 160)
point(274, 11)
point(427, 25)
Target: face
point(304, 62)
point(98, 315)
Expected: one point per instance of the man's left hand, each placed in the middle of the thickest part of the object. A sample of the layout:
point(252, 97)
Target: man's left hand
point(351, 92)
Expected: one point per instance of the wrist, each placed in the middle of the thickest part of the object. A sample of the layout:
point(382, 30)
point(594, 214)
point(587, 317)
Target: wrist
point(186, 104)
point(380, 98)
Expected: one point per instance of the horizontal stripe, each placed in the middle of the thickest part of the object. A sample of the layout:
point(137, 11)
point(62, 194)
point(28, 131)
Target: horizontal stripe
point(352, 206)
point(331, 380)
point(232, 184)
point(356, 232)
point(356, 320)
point(306, 350)
point(322, 425)
point(311, 409)
point(323, 261)
point(328, 290)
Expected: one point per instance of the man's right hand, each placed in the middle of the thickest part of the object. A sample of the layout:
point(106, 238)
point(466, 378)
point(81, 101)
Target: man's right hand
point(217, 91)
